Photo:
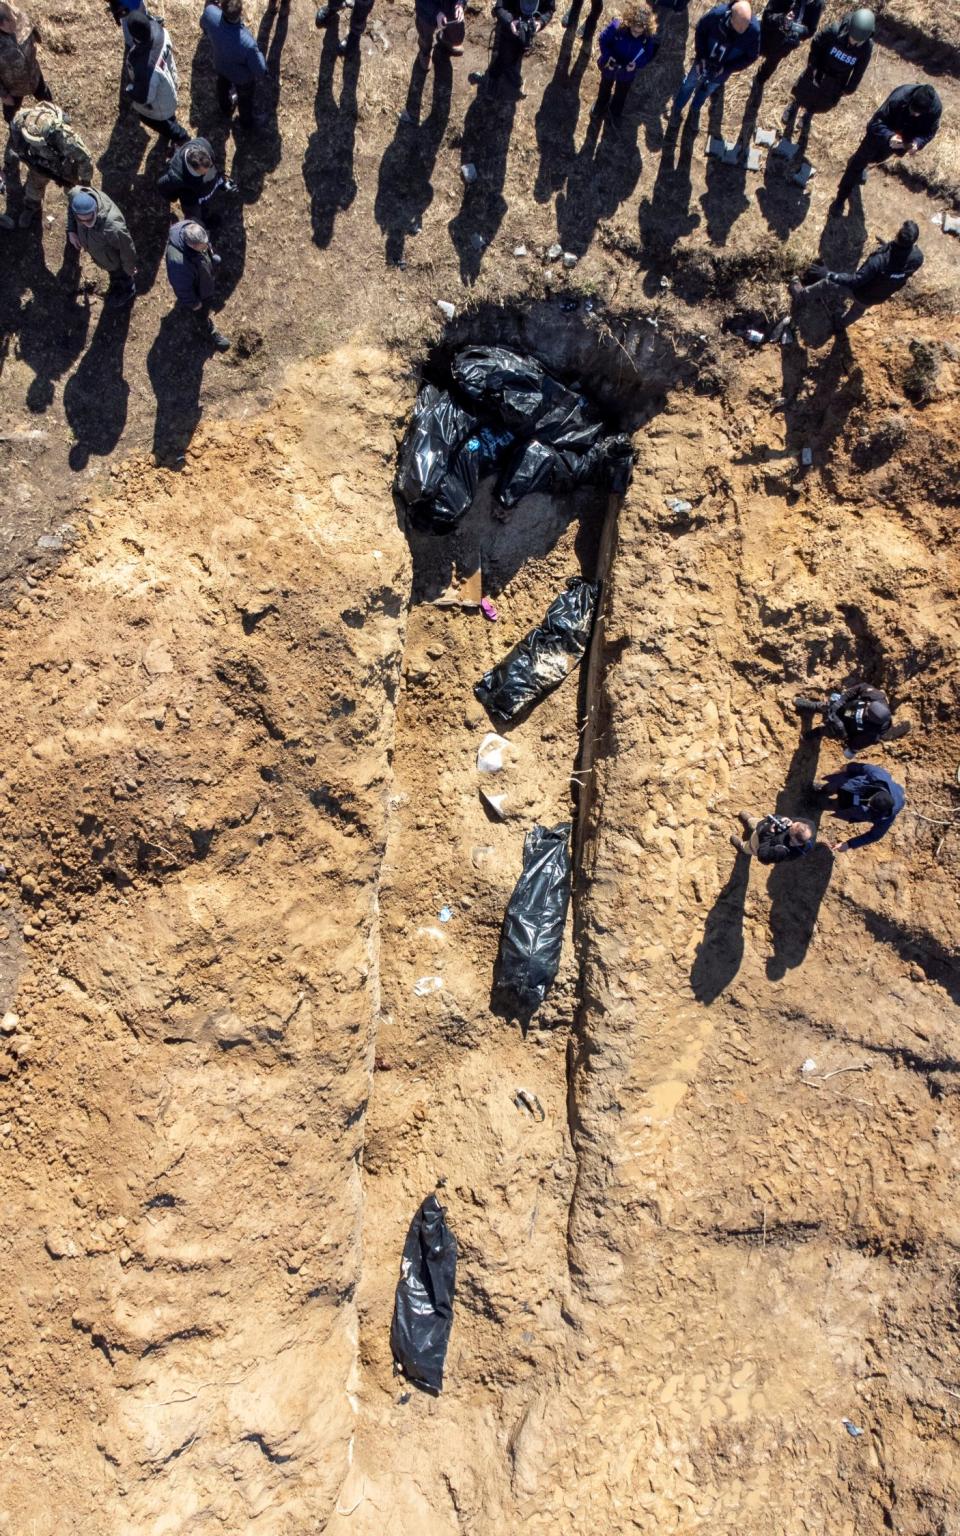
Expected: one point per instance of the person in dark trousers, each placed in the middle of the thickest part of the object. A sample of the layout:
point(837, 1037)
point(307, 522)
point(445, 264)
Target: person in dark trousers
point(784, 25)
point(572, 16)
point(836, 64)
point(20, 72)
point(359, 15)
point(908, 119)
point(438, 21)
point(861, 792)
point(191, 178)
point(627, 45)
point(774, 839)
point(727, 39)
point(858, 717)
point(96, 225)
point(153, 76)
point(238, 62)
point(518, 22)
point(882, 275)
point(191, 272)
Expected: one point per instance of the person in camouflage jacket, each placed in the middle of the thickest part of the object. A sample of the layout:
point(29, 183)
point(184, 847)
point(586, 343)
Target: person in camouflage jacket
point(51, 149)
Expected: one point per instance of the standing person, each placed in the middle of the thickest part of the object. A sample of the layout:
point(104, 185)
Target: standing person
point(859, 717)
point(51, 150)
point(774, 839)
point(882, 275)
point(359, 15)
point(191, 272)
point(438, 21)
point(153, 76)
point(727, 39)
point(518, 22)
point(20, 72)
point(236, 58)
point(908, 119)
point(861, 792)
point(784, 25)
point(836, 64)
point(96, 225)
point(627, 45)
point(192, 178)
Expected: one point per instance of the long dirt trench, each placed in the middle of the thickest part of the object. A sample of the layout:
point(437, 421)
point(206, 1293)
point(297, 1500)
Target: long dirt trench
point(243, 791)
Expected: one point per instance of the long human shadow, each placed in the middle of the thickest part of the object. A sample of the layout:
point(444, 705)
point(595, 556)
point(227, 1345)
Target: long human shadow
point(844, 236)
point(556, 121)
point(720, 951)
point(783, 205)
point(404, 184)
point(175, 366)
point(95, 396)
point(660, 81)
point(602, 176)
point(271, 36)
point(665, 216)
point(797, 888)
point(486, 141)
point(51, 324)
point(837, 384)
point(328, 161)
point(724, 199)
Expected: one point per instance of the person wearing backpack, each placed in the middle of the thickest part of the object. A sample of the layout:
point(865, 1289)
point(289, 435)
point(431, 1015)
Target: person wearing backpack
point(775, 839)
point(20, 72)
point(858, 717)
point(627, 45)
point(42, 138)
point(153, 76)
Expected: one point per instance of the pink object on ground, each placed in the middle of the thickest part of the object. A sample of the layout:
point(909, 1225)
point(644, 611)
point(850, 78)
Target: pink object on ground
point(488, 610)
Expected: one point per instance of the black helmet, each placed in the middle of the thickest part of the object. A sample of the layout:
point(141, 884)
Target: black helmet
point(862, 25)
point(878, 714)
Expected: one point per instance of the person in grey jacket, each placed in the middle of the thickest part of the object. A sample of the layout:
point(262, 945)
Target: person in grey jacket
point(96, 225)
point(236, 58)
point(191, 272)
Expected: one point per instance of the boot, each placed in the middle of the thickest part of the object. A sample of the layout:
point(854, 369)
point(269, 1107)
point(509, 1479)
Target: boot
point(218, 341)
point(804, 706)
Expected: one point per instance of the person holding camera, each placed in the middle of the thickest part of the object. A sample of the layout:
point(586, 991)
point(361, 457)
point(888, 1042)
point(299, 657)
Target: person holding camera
point(727, 39)
point(518, 22)
point(784, 25)
point(908, 120)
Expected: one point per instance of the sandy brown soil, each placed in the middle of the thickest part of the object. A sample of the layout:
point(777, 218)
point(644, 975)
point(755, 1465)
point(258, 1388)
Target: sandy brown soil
point(239, 785)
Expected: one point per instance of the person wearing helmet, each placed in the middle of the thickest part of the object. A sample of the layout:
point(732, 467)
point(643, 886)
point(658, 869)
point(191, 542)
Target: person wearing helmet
point(908, 119)
point(860, 792)
point(837, 62)
point(858, 717)
point(96, 225)
point(727, 39)
point(881, 276)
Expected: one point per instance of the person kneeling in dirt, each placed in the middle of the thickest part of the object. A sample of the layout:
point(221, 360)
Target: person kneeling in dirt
point(627, 45)
point(861, 792)
point(908, 119)
point(774, 839)
point(518, 22)
point(882, 275)
point(191, 177)
point(859, 717)
point(836, 64)
point(96, 225)
point(51, 150)
point(191, 269)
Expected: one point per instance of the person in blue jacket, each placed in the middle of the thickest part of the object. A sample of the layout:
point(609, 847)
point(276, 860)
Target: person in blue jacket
point(627, 44)
point(861, 792)
point(727, 39)
point(236, 58)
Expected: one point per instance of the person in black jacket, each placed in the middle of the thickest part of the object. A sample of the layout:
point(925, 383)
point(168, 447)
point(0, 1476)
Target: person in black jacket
point(192, 178)
point(774, 839)
point(836, 64)
point(882, 275)
point(858, 717)
point(907, 121)
point(784, 25)
point(518, 22)
point(727, 39)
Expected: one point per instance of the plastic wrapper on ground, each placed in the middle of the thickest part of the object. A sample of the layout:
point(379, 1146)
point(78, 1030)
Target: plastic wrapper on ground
point(532, 937)
point(423, 1307)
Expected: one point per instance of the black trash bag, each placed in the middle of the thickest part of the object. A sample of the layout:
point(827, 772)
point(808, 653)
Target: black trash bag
point(501, 383)
point(423, 1307)
point(567, 420)
point(542, 659)
point(536, 467)
point(609, 463)
point(532, 935)
point(540, 467)
point(455, 493)
point(438, 427)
